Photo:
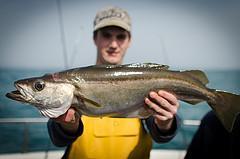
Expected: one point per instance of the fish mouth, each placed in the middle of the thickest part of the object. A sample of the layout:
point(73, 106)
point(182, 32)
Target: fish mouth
point(18, 95)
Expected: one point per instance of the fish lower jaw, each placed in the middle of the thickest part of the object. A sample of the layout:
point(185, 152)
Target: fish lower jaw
point(53, 112)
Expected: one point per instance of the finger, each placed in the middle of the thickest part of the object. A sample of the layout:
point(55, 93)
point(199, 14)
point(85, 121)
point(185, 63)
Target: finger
point(161, 101)
point(160, 117)
point(169, 97)
point(157, 109)
point(148, 108)
point(70, 116)
point(61, 118)
point(165, 104)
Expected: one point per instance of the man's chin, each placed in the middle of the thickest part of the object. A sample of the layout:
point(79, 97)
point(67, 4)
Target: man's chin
point(114, 61)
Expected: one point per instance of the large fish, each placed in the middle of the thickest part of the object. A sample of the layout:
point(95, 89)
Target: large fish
point(119, 91)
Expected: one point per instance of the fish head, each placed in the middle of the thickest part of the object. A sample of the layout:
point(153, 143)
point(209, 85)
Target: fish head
point(52, 98)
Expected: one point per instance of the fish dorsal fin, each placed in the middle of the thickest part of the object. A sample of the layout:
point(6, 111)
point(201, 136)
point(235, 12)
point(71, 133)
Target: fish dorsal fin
point(147, 65)
point(103, 66)
point(133, 65)
point(198, 75)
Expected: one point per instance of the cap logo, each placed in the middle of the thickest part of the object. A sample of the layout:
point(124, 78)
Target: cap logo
point(109, 14)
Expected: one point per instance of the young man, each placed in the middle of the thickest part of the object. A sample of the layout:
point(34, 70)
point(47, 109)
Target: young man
point(104, 138)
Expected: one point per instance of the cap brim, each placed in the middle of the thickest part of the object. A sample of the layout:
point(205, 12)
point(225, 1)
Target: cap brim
point(112, 22)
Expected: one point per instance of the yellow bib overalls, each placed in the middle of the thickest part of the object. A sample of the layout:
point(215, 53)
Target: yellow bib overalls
point(111, 138)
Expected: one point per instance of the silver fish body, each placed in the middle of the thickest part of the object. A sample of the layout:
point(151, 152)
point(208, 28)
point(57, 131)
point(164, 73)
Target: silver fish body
point(119, 91)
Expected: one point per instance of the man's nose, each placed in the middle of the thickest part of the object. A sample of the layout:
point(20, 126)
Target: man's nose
point(113, 43)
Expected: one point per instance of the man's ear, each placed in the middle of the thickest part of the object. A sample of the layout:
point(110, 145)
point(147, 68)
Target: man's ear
point(94, 40)
point(95, 37)
point(130, 41)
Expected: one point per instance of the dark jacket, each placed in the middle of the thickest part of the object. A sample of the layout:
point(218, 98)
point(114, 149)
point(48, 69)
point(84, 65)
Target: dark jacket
point(212, 140)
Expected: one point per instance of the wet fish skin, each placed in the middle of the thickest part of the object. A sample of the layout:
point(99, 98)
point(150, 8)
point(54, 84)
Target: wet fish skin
point(119, 91)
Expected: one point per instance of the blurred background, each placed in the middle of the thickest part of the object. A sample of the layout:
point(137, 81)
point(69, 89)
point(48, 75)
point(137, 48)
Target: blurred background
point(38, 37)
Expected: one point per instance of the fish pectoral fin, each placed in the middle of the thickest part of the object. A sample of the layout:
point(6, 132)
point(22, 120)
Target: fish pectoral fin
point(90, 102)
point(193, 101)
point(85, 100)
point(198, 75)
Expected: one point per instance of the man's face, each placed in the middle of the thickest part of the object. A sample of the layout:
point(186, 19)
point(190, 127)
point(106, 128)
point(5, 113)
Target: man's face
point(111, 43)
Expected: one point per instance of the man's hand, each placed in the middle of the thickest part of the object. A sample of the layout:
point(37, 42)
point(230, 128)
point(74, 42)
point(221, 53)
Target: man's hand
point(69, 121)
point(165, 106)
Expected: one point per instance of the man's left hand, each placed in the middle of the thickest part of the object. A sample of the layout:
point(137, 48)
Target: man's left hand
point(164, 106)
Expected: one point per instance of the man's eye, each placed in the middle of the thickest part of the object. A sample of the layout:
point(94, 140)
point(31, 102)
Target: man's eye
point(106, 35)
point(121, 37)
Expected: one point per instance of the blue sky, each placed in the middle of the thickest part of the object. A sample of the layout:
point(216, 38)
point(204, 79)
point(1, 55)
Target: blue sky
point(183, 35)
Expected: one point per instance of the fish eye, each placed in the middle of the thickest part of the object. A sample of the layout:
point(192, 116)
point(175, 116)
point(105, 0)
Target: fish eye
point(39, 85)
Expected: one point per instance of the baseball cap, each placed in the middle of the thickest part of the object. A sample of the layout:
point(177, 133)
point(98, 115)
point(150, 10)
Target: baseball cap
point(112, 16)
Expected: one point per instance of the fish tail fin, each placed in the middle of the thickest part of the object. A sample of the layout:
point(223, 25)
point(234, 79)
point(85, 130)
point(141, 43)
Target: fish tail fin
point(226, 107)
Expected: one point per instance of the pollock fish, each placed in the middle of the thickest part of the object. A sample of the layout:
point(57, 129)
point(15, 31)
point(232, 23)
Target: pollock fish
point(120, 90)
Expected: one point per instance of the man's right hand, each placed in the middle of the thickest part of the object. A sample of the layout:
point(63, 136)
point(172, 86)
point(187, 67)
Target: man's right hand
point(69, 121)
